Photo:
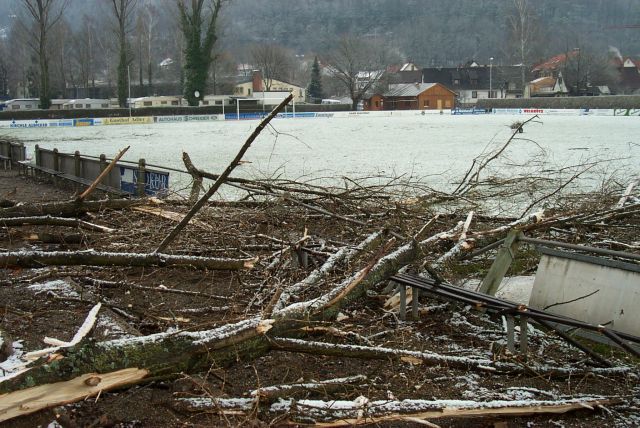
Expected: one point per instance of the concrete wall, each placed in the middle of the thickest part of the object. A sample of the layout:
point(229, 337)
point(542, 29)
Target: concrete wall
point(562, 277)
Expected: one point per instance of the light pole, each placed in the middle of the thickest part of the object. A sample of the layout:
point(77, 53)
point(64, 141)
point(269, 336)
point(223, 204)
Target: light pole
point(490, 77)
point(129, 82)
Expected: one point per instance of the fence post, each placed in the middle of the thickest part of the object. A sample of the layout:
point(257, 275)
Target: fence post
point(56, 160)
point(415, 294)
point(37, 155)
point(77, 169)
point(403, 302)
point(141, 179)
point(103, 165)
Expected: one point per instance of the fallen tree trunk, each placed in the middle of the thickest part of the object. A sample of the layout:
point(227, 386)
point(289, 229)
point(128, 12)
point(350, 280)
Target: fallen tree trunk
point(54, 221)
point(431, 358)
point(30, 259)
point(363, 411)
point(68, 208)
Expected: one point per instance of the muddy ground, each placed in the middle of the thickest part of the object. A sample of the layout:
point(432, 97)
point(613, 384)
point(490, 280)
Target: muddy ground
point(53, 302)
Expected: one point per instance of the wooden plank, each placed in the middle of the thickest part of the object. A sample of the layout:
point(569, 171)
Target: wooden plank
point(31, 400)
point(501, 265)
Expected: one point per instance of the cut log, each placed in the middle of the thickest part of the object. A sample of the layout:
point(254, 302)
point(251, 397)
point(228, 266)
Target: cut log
point(67, 209)
point(22, 403)
point(30, 259)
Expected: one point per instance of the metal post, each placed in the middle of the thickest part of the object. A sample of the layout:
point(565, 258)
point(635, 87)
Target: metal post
point(294, 107)
point(403, 302)
point(238, 108)
point(141, 179)
point(490, 76)
point(129, 81)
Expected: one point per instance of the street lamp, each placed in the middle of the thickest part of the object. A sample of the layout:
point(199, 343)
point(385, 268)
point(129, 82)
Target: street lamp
point(490, 76)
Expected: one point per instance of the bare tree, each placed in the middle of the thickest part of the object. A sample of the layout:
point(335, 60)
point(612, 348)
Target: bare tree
point(523, 28)
point(585, 68)
point(274, 61)
point(123, 10)
point(358, 65)
point(45, 14)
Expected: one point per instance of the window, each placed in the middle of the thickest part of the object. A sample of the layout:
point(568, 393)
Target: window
point(174, 103)
point(447, 103)
point(493, 94)
point(15, 107)
point(377, 104)
point(105, 105)
point(164, 103)
point(456, 81)
point(219, 102)
point(77, 106)
point(147, 103)
point(87, 105)
point(28, 106)
point(474, 94)
point(426, 104)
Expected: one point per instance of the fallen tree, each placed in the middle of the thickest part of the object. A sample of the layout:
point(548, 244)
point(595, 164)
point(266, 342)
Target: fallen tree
point(98, 258)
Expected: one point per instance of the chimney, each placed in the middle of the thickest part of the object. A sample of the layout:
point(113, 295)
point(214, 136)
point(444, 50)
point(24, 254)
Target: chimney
point(257, 81)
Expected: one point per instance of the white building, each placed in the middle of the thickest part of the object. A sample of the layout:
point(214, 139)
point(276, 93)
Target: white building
point(22, 104)
point(86, 104)
point(162, 101)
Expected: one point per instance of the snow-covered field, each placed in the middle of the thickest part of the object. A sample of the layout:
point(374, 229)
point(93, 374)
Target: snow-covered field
point(435, 148)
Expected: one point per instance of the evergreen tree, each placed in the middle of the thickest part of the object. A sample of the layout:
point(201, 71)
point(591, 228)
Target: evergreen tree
point(315, 87)
point(199, 39)
point(123, 10)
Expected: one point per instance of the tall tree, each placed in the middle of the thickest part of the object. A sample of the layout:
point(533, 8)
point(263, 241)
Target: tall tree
point(524, 31)
point(45, 14)
point(123, 10)
point(199, 29)
point(274, 62)
point(358, 65)
point(315, 87)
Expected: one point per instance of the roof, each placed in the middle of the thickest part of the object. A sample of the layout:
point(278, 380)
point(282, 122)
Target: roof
point(408, 89)
point(555, 62)
point(474, 78)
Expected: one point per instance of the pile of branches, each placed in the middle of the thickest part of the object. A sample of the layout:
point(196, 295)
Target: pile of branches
point(296, 269)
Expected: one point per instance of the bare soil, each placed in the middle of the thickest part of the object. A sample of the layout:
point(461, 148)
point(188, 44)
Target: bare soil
point(53, 302)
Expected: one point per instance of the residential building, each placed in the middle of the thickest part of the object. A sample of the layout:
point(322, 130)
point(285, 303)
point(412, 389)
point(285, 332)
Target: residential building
point(413, 96)
point(628, 76)
point(247, 88)
point(548, 86)
point(471, 81)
